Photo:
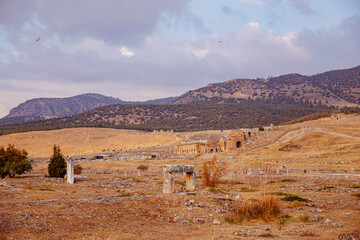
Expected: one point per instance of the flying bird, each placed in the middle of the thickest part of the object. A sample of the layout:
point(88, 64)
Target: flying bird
point(38, 40)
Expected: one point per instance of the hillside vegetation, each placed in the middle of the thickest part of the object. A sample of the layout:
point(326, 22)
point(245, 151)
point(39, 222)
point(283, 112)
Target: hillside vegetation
point(337, 88)
point(178, 117)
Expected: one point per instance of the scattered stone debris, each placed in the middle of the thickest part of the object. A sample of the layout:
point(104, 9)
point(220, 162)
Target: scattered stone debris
point(290, 147)
point(349, 236)
point(333, 223)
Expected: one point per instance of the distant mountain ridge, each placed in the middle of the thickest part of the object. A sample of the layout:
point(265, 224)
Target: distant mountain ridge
point(45, 108)
point(337, 88)
point(334, 88)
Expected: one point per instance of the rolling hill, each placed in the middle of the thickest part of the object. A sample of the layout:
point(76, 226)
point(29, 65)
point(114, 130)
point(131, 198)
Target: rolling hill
point(337, 88)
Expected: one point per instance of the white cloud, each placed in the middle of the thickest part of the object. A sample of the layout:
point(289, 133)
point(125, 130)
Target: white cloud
point(126, 52)
point(253, 25)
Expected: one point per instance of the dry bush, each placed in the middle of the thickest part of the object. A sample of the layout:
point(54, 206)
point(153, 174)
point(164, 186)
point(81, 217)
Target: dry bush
point(77, 169)
point(143, 167)
point(212, 172)
point(266, 209)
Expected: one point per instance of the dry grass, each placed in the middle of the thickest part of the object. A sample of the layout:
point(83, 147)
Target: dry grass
point(75, 141)
point(212, 172)
point(266, 209)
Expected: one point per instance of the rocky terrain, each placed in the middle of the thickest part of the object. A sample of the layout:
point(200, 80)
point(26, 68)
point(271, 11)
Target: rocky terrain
point(318, 161)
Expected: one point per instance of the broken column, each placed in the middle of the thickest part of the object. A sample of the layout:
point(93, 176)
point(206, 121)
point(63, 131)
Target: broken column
point(169, 169)
point(190, 181)
point(70, 170)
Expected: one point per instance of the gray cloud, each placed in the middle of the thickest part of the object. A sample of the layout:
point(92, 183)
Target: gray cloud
point(72, 57)
point(303, 7)
point(124, 22)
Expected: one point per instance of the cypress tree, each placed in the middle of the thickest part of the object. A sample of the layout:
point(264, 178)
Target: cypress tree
point(57, 165)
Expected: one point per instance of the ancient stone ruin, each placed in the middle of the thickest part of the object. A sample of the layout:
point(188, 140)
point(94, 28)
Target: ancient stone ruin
point(70, 170)
point(169, 169)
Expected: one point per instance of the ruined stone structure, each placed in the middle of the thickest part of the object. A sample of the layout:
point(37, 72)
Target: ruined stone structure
point(195, 148)
point(70, 170)
point(169, 169)
point(230, 142)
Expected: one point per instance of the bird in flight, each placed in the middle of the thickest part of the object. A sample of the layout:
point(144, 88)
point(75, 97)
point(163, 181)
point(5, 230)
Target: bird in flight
point(38, 40)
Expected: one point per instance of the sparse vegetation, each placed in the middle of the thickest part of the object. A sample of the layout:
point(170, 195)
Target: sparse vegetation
point(295, 203)
point(284, 219)
point(13, 162)
point(216, 190)
point(46, 189)
point(288, 180)
point(290, 197)
point(304, 218)
point(265, 209)
point(231, 182)
point(326, 188)
point(125, 195)
point(182, 183)
point(247, 190)
point(266, 235)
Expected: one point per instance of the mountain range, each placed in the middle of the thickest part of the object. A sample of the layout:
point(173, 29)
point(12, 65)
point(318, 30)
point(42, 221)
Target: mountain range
point(333, 88)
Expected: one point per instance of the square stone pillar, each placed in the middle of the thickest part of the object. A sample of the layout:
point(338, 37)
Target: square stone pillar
point(190, 181)
point(70, 171)
point(168, 185)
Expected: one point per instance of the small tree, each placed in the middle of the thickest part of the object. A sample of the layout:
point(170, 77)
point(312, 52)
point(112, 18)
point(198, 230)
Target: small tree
point(57, 165)
point(13, 162)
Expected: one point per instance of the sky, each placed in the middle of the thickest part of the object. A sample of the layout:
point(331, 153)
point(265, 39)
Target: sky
point(141, 50)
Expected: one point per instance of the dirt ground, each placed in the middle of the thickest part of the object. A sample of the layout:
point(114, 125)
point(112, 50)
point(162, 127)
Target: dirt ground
point(317, 160)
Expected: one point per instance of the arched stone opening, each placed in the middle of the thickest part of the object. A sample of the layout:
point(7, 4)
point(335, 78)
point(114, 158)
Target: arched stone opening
point(238, 144)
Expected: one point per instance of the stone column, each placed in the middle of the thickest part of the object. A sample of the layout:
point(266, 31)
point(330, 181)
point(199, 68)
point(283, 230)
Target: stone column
point(70, 171)
point(168, 185)
point(190, 181)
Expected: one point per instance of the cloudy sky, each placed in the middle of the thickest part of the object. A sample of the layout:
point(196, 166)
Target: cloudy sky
point(146, 49)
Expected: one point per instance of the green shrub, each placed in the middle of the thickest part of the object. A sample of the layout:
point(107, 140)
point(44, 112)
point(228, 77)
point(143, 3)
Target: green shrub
point(291, 198)
point(288, 180)
point(261, 129)
point(13, 162)
point(57, 165)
